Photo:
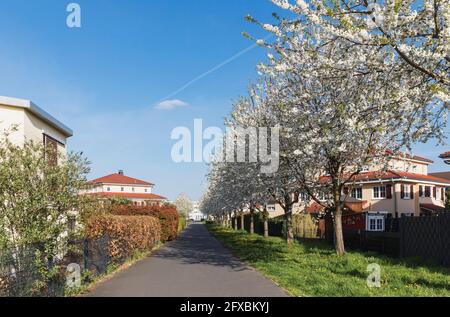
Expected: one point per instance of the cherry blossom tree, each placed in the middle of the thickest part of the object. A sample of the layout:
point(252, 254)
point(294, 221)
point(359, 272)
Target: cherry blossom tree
point(350, 81)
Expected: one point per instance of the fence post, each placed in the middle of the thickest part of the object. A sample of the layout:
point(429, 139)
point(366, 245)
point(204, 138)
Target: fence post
point(85, 253)
point(440, 223)
point(401, 225)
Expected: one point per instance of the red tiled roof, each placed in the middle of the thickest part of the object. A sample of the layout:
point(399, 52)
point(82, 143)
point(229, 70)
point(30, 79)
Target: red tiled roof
point(119, 179)
point(432, 207)
point(132, 195)
point(411, 157)
point(314, 208)
point(369, 176)
point(387, 175)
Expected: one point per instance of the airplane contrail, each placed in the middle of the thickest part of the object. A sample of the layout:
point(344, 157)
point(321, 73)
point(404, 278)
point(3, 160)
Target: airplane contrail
point(212, 70)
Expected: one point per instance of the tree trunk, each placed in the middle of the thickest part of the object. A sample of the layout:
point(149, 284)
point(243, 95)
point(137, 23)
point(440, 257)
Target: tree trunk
point(266, 228)
point(224, 221)
point(235, 223)
point(252, 224)
point(289, 230)
point(338, 234)
point(288, 223)
point(242, 222)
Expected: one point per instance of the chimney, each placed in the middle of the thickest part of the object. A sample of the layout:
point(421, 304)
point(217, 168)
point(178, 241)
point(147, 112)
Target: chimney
point(120, 172)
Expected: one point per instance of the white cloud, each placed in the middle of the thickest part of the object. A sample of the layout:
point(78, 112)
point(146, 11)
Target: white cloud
point(171, 104)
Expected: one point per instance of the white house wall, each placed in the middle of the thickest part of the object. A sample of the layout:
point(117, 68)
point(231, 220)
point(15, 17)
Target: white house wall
point(9, 117)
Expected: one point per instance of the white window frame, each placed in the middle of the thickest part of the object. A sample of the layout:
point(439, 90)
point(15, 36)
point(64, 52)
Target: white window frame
point(375, 222)
point(355, 191)
point(321, 196)
point(379, 192)
point(271, 207)
point(406, 192)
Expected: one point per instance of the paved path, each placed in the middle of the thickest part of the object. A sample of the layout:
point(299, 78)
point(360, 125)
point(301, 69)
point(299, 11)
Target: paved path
point(194, 265)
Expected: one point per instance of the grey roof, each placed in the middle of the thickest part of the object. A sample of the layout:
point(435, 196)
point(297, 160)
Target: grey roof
point(445, 175)
point(37, 111)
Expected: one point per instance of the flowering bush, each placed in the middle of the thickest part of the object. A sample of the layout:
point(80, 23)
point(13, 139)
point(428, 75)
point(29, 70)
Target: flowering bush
point(167, 215)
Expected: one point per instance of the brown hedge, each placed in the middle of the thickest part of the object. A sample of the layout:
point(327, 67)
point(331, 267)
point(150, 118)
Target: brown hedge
point(167, 214)
point(126, 234)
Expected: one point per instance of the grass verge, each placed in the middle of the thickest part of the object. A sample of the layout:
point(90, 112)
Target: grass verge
point(311, 268)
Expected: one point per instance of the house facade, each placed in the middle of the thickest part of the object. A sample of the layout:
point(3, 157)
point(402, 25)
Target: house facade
point(446, 157)
point(196, 214)
point(23, 120)
point(405, 189)
point(118, 185)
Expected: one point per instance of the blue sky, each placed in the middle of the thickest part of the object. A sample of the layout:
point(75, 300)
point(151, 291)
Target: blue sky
point(104, 79)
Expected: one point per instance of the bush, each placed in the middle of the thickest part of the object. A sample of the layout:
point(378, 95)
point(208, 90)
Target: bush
point(167, 215)
point(182, 223)
point(304, 226)
point(126, 235)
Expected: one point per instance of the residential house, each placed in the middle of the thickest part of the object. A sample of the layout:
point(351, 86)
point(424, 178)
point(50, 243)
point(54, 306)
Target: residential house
point(405, 189)
point(446, 157)
point(23, 120)
point(196, 214)
point(118, 185)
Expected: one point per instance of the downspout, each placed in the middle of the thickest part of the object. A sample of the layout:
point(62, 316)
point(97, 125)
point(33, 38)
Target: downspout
point(395, 199)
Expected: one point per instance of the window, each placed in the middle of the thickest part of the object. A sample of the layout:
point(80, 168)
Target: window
point(145, 190)
point(303, 196)
point(379, 192)
point(321, 196)
point(406, 192)
point(408, 214)
point(420, 191)
point(270, 208)
point(51, 150)
point(365, 168)
point(427, 191)
point(108, 189)
point(375, 223)
point(357, 193)
point(122, 189)
point(132, 189)
point(443, 194)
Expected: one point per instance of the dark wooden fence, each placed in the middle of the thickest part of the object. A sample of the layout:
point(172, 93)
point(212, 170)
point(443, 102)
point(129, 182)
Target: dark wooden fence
point(276, 226)
point(426, 237)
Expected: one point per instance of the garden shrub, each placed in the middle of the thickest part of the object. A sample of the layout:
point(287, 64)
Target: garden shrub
point(126, 234)
point(182, 223)
point(304, 226)
point(167, 215)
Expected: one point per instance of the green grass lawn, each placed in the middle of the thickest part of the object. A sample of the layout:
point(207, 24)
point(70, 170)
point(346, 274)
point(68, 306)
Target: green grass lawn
point(311, 268)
